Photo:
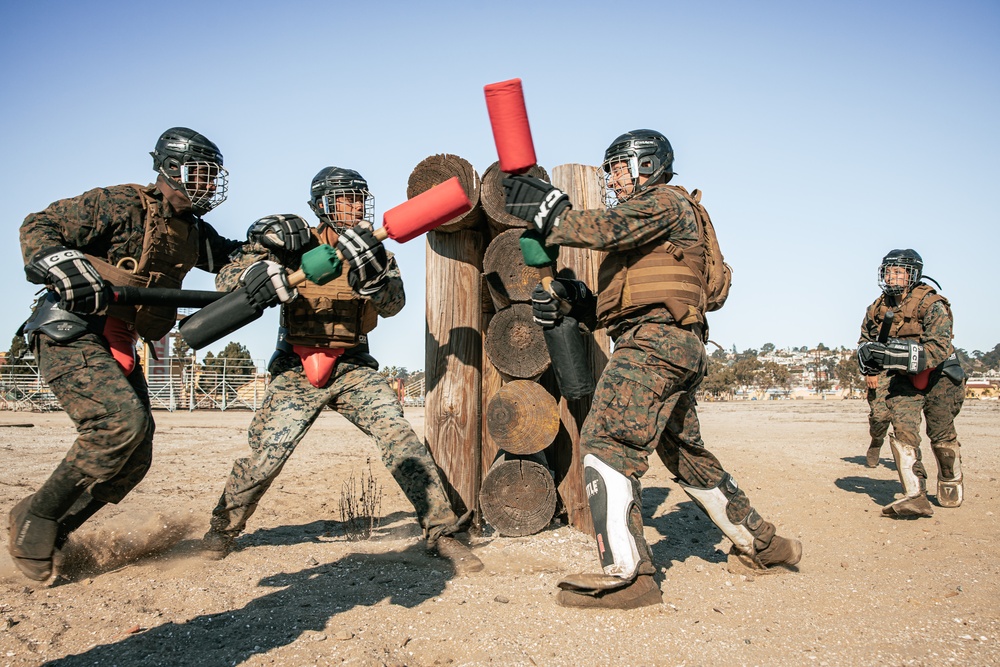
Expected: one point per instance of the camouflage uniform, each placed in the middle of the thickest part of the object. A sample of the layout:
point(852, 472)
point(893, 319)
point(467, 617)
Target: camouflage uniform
point(113, 448)
point(645, 399)
point(291, 405)
point(940, 401)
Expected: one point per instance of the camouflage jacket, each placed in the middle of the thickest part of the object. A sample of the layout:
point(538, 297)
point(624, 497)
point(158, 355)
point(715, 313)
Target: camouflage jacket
point(936, 330)
point(656, 215)
point(110, 223)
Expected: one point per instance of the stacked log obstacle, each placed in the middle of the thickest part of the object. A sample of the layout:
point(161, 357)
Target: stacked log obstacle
point(488, 370)
point(518, 496)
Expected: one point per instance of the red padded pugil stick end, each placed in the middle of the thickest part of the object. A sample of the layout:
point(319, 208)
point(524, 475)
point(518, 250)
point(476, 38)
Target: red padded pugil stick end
point(432, 208)
point(511, 132)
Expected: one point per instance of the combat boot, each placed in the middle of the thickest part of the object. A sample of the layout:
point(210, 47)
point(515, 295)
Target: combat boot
point(872, 455)
point(440, 542)
point(32, 541)
point(216, 545)
point(781, 551)
point(641, 592)
point(910, 507)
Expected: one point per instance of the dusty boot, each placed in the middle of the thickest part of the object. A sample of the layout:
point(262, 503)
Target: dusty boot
point(460, 556)
point(34, 525)
point(216, 545)
point(909, 507)
point(781, 551)
point(641, 592)
point(441, 543)
point(32, 541)
point(872, 455)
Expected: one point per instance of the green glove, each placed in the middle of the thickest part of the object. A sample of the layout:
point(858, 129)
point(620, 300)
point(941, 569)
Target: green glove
point(534, 250)
point(321, 264)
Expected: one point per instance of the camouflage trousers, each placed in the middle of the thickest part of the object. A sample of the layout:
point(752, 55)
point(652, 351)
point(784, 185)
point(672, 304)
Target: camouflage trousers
point(879, 417)
point(645, 402)
point(940, 403)
point(290, 407)
point(111, 412)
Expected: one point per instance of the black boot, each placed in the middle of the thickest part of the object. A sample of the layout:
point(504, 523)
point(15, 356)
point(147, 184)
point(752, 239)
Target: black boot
point(34, 522)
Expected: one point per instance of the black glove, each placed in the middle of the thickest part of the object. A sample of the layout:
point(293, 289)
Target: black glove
point(267, 284)
point(904, 355)
point(287, 233)
point(66, 271)
point(366, 256)
point(548, 308)
point(535, 201)
point(870, 357)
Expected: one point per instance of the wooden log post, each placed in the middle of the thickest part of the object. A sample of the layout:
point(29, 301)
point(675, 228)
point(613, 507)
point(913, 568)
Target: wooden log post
point(508, 278)
point(581, 183)
point(437, 169)
point(522, 417)
point(518, 495)
point(493, 197)
point(516, 345)
point(453, 350)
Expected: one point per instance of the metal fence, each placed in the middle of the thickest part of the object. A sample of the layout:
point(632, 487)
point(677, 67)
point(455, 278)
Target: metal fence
point(174, 384)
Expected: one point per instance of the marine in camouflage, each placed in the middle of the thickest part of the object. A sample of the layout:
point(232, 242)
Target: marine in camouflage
point(645, 399)
point(940, 402)
point(111, 410)
point(291, 405)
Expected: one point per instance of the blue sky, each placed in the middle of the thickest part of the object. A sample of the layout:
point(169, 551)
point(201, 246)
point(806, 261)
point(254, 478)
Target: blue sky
point(822, 134)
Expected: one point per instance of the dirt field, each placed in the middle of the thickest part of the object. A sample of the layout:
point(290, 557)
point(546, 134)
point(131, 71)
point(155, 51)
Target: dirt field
point(131, 590)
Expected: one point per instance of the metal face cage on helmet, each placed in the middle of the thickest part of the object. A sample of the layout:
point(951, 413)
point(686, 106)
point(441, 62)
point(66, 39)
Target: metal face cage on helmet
point(900, 270)
point(193, 163)
point(357, 203)
point(637, 153)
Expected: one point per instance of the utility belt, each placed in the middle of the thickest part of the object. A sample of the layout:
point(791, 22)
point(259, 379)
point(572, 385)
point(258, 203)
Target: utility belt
point(62, 326)
point(951, 368)
point(655, 314)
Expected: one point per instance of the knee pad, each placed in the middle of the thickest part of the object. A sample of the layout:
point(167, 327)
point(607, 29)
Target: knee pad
point(715, 502)
point(950, 490)
point(906, 462)
point(612, 497)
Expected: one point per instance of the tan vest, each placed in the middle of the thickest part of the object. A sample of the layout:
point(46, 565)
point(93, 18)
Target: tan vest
point(908, 319)
point(657, 274)
point(169, 251)
point(329, 315)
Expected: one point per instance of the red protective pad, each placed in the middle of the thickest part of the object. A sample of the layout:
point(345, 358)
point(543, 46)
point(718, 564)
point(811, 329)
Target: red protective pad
point(511, 132)
point(921, 379)
point(432, 208)
point(318, 362)
point(122, 340)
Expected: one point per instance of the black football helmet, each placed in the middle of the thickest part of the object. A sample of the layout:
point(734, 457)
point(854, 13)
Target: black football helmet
point(193, 164)
point(889, 276)
point(333, 182)
point(645, 153)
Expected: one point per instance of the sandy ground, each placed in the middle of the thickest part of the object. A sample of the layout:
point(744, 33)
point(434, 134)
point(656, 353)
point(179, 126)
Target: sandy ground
point(131, 589)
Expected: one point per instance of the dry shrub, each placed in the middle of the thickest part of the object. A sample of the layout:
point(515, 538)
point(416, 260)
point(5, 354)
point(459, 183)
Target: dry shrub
point(361, 505)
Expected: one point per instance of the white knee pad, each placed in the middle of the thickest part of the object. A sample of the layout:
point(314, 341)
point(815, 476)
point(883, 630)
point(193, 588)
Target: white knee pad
point(612, 496)
point(906, 458)
point(714, 501)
